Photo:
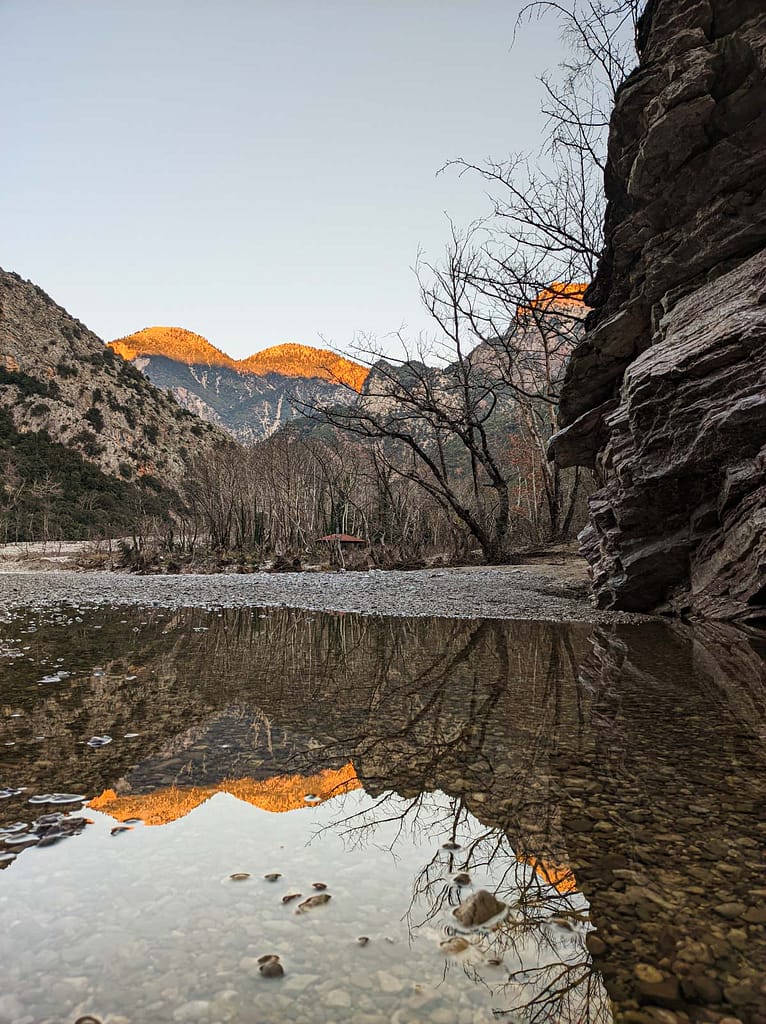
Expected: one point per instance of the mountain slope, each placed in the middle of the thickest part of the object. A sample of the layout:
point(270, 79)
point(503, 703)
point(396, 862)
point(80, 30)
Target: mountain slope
point(59, 379)
point(251, 398)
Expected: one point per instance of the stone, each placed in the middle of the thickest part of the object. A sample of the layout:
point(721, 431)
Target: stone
point(454, 945)
point(665, 993)
point(595, 945)
point(195, 1009)
point(479, 908)
point(646, 972)
point(701, 988)
point(755, 915)
point(313, 901)
point(338, 999)
point(388, 983)
point(730, 910)
point(739, 994)
point(272, 969)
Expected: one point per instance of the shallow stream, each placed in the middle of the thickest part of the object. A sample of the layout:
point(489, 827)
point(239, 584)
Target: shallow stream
point(607, 785)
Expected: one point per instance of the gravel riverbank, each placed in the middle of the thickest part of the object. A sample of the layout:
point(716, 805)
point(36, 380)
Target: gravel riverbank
point(506, 592)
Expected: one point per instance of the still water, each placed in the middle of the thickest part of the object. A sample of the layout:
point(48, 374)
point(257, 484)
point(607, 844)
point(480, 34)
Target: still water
point(175, 786)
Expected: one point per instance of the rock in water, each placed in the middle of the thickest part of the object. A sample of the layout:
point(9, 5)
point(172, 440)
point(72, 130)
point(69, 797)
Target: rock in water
point(313, 901)
point(270, 966)
point(666, 393)
point(478, 909)
point(454, 945)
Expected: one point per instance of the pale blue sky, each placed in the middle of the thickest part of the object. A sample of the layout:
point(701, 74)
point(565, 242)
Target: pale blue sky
point(258, 171)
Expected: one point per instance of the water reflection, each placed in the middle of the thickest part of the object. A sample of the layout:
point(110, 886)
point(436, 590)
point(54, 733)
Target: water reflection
point(607, 786)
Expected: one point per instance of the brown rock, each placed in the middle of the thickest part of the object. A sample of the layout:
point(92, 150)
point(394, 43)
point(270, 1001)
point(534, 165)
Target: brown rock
point(595, 945)
point(478, 909)
point(660, 993)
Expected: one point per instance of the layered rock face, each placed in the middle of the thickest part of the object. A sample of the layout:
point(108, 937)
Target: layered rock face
point(666, 396)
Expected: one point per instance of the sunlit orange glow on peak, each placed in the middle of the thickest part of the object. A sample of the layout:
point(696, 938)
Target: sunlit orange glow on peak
point(558, 875)
point(558, 295)
point(278, 794)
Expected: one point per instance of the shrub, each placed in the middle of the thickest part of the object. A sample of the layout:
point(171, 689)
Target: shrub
point(65, 369)
point(95, 418)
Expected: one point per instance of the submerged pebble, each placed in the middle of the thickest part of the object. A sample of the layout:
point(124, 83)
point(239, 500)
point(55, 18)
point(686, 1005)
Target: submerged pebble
point(313, 901)
point(454, 945)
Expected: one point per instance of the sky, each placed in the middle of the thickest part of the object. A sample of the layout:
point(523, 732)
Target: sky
point(256, 171)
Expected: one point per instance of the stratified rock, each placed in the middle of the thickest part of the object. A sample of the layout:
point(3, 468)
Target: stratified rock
point(478, 909)
point(666, 395)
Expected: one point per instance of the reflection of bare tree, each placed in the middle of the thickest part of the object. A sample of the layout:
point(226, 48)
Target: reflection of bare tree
point(539, 967)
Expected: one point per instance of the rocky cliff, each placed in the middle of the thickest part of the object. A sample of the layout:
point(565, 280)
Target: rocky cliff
point(59, 378)
point(666, 396)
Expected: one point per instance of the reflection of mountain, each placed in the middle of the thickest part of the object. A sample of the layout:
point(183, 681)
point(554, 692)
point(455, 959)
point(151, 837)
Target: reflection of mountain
point(278, 794)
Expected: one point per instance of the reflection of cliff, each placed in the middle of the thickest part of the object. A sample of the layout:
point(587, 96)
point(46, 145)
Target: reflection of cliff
point(662, 806)
point(277, 794)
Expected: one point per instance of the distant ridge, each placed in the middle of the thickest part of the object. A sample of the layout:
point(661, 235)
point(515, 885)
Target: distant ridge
point(288, 360)
point(173, 343)
point(306, 361)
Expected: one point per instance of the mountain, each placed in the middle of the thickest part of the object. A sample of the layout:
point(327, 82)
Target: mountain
point(250, 398)
point(74, 414)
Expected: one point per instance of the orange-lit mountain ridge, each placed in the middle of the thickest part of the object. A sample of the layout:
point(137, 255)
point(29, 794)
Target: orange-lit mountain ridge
point(172, 343)
point(289, 360)
point(252, 397)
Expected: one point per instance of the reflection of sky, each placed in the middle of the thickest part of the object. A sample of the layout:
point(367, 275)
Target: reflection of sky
point(150, 916)
point(255, 172)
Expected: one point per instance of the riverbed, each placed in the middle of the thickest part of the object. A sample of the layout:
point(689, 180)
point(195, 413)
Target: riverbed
point(549, 592)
